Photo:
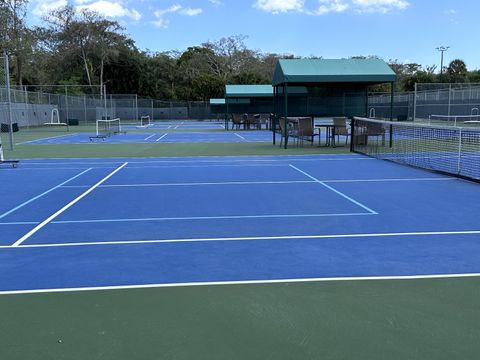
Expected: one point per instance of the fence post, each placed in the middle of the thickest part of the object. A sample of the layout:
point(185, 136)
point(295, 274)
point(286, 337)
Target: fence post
point(66, 104)
point(9, 99)
point(415, 103)
point(449, 98)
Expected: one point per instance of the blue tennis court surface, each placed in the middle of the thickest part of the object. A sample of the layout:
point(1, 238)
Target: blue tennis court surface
point(162, 137)
point(179, 125)
point(89, 223)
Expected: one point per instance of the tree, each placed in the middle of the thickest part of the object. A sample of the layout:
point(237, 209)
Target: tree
point(16, 38)
point(88, 36)
point(457, 71)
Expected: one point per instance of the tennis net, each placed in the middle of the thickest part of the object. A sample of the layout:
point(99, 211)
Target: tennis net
point(450, 150)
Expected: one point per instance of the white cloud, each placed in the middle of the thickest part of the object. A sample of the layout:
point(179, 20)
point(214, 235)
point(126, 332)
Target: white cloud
point(114, 9)
point(215, 3)
point(280, 6)
point(191, 12)
point(43, 8)
point(162, 22)
point(380, 6)
point(328, 6)
point(322, 7)
point(107, 8)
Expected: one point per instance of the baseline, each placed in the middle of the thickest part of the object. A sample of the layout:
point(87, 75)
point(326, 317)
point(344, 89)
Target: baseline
point(250, 238)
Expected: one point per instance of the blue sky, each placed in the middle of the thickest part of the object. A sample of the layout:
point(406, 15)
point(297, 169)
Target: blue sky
point(406, 30)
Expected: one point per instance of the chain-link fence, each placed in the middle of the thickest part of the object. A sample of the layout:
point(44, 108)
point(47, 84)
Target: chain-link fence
point(438, 101)
point(34, 105)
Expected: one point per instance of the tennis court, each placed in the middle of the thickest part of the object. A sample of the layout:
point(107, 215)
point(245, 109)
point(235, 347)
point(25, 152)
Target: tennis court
point(159, 137)
point(130, 222)
point(174, 257)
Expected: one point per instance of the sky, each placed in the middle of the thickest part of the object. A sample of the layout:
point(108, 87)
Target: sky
point(402, 30)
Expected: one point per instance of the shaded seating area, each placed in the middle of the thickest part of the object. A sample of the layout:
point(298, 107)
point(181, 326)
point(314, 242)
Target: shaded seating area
point(336, 89)
point(217, 108)
point(248, 106)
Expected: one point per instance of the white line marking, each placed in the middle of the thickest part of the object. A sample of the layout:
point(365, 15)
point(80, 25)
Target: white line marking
point(389, 180)
point(20, 223)
point(42, 194)
point(70, 204)
point(47, 138)
point(148, 138)
point(198, 184)
point(251, 238)
point(241, 137)
point(335, 190)
point(247, 282)
point(258, 182)
point(225, 217)
point(211, 159)
point(161, 137)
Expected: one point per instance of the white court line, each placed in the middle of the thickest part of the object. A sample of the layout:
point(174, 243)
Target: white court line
point(70, 204)
point(161, 137)
point(176, 127)
point(192, 218)
point(42, 194)
point(148, 138)
point(335, 190)
point(259, 182)
point(390, 180)
point(198, 184)
point(211, 159)
point(47, 138)
point(240, 136)
point(19, 223)
point(243, 282)
point(246, 238)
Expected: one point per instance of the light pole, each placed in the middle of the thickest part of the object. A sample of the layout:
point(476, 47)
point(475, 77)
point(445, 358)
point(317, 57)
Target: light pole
point(442, 49)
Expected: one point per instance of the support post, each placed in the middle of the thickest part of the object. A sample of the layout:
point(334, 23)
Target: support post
point(285, 130)
point(66, 104)
point(415, 103)
point(273, 123)
point(9, 99)
point(392, 98)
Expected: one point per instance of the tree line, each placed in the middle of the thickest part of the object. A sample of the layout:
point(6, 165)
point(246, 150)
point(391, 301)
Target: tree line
point(80, 47)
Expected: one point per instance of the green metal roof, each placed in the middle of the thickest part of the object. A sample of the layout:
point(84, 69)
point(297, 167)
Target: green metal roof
point(372, 71)
point(217, 101)
point(248, 91)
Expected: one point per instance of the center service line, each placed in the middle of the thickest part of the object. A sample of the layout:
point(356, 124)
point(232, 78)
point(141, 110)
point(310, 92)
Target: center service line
point(70, 204)
point(335, 190)
point(43, 194)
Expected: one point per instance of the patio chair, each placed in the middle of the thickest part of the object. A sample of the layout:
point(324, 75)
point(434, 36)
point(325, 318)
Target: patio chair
point(290, 129)
point(340, 126)
point(305, 130)
point(253, 121)
point(237, 120)
point(264, 119)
